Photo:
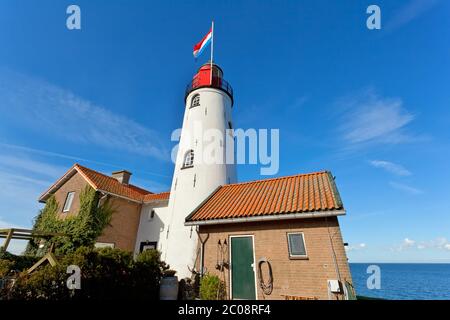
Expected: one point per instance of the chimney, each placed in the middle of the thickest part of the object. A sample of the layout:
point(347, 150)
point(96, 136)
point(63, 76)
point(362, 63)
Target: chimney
point(123, 176)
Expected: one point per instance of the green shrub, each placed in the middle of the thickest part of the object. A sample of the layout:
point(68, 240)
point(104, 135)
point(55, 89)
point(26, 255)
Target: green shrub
point(81, 229)
point(10, 262)
point(212, 288)
point(105, 274)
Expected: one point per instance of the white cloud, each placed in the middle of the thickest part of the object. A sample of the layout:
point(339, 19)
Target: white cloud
point(408, 243)
point(437, 244)
point(405, 188)
point(358, 246)
point(391, 167)
point(40, 107)
point(31, 166)
point(369, 118)
point(408, 12)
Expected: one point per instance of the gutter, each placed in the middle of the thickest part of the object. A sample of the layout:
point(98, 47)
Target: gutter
point(307, 215)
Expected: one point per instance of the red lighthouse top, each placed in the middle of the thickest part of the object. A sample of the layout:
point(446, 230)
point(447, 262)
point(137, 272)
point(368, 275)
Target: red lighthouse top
point(203, 79)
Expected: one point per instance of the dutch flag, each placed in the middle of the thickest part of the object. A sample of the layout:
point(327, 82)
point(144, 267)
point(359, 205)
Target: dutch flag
point(199, 47)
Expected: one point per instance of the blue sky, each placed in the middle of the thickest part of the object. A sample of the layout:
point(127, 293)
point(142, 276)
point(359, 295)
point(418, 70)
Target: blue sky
point(371, 106)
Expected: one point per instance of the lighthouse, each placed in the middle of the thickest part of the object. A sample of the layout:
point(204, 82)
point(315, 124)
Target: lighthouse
point(203, 162)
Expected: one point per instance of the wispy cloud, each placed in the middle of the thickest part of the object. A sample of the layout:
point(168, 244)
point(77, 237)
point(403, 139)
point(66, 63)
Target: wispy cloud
point(31, 166)
point(35, 104)
point(370, 118)
point(440, 243)
point(390, 167)
point(408, 12)
point(48, 154)
point(405, 188)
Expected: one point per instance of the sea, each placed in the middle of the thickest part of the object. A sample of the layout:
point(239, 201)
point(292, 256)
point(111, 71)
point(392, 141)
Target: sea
point(403, 281)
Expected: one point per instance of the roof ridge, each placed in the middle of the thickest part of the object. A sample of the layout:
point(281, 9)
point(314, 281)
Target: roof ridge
point(277, 178)
point(109, 177)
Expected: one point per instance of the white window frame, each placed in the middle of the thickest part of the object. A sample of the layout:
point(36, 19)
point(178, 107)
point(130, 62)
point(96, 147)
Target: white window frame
point(195, 101)
point(188, 155)
point(68, 202)
point(100, 245)
point(297, 256)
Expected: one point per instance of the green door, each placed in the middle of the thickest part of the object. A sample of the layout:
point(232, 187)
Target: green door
point(242, 272)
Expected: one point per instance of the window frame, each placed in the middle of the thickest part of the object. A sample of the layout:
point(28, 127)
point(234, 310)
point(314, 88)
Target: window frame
point(191, 154)
point(195, 99)
point(64, 210)
point(296, 256)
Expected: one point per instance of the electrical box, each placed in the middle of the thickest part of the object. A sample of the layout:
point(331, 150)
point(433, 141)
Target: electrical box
point(334, 286)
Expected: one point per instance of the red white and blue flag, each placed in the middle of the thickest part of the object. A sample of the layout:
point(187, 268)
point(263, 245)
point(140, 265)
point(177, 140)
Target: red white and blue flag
point(199, 47)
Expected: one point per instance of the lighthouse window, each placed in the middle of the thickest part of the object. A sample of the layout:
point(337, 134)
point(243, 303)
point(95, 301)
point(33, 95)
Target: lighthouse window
point(195, 102)
point(188, 159)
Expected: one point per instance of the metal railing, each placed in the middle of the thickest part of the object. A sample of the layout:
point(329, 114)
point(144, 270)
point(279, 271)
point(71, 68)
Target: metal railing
point(217, 83)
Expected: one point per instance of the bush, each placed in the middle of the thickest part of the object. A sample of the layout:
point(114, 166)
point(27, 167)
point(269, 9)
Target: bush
point(80, 230)
point(105, 274)
point(12, 263)
point(212, 288)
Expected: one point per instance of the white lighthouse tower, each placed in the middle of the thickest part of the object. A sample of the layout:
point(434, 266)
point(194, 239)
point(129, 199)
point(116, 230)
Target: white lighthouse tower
point(201, 163)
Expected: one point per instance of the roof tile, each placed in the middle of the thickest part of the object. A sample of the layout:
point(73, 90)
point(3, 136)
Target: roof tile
point(285, 195)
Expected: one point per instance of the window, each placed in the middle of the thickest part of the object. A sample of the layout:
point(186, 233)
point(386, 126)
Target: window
point(296, 244)
point(147, 245)
point(104, 245)
point(188, 159)
point(195, 101)
point(151, 214)
point(69, 200)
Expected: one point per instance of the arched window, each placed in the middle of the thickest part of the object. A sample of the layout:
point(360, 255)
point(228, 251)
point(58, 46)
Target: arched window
point(195, 101)
point(188, 159)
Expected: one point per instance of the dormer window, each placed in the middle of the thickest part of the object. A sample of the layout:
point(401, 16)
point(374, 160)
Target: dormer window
point(195, 101)
point(188, 159)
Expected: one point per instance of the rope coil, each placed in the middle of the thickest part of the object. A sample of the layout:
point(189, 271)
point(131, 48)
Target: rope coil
point(266, 288)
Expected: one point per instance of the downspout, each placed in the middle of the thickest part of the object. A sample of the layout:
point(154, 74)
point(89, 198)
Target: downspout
point(336, 266)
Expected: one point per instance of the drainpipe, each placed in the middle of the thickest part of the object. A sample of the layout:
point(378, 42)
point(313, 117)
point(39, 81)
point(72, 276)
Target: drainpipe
point(336, 266)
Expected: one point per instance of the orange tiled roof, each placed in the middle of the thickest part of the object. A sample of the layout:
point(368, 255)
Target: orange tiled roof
point(279, 196)
point(156, 196)
point(102, 182)
point(111, 185)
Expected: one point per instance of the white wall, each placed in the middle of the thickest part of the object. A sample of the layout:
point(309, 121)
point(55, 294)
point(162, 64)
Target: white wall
point(181, 250)
point(153, 229)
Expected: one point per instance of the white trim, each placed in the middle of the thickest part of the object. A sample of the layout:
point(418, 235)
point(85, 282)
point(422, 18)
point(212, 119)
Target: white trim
point(287, 216)
point(69, 200)
point(231, 268)
point(297, 256)
point(118, 196)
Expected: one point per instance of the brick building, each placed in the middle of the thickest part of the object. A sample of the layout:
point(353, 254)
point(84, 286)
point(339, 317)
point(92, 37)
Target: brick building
point(284, 229)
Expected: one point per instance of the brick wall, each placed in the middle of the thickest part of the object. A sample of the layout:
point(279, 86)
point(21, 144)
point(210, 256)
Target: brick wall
point(305, 278)
point(124, 223)
point(75, 183)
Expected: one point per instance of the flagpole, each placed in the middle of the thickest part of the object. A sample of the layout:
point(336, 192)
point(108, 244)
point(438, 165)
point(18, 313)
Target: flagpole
point(212, 51)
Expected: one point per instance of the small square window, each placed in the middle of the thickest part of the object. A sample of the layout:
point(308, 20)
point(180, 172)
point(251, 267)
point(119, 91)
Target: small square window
point(69, 200)
point(151, 214)
point(296, 244)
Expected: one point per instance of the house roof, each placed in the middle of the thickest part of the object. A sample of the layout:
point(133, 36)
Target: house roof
point(101, 182)
point(285, 196)
point(156, 197)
